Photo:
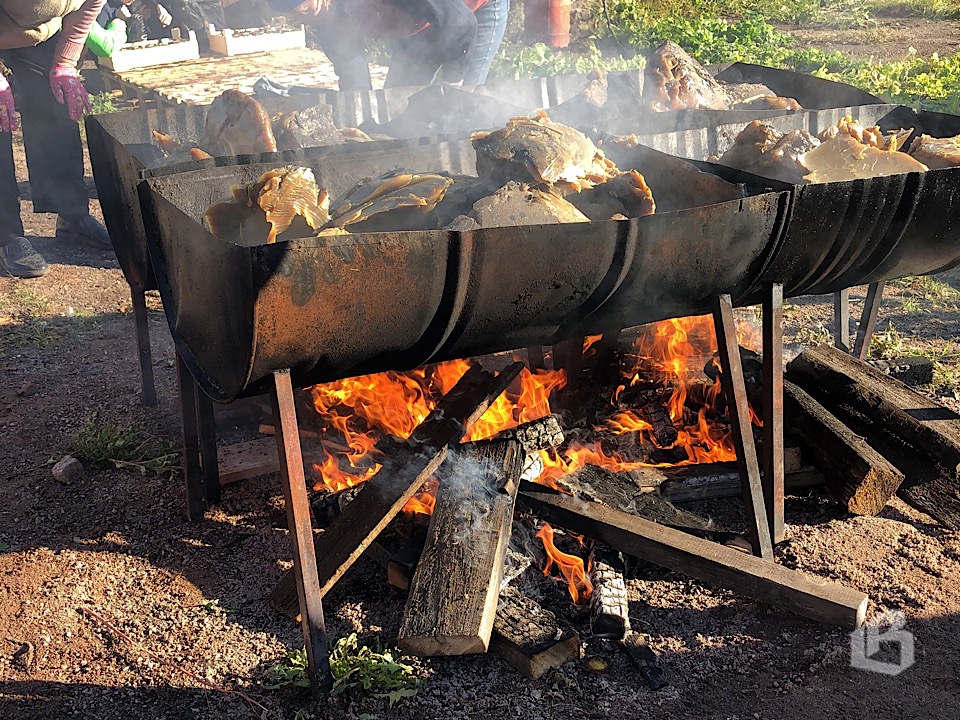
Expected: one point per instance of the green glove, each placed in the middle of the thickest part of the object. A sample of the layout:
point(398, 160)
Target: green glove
point(104, 41)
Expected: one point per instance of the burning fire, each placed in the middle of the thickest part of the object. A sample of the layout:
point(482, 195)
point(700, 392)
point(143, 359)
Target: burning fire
point(364, 410)
point(570, 566)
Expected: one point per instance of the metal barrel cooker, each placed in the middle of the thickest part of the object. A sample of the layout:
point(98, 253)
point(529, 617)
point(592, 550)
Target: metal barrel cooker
point(334, 307)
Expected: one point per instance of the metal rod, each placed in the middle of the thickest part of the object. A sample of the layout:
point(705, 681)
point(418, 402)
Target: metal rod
point(868, 320)
point(535, 358)
point(192, 472)
point(841, 319)
point(209, 461)
point(758, 529)
point(149, 393)
point(301, 533)
point(773, 475)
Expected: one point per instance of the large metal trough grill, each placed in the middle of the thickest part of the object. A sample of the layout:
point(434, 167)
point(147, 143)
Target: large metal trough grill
point(122, 150)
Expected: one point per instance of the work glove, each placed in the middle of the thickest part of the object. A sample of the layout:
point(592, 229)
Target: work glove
point(69, 91)
point(8, 113)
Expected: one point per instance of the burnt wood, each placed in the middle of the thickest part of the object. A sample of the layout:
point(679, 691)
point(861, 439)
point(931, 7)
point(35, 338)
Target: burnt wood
point(635, 646)
point(714, 564)
point(609, 609)
point(453, 593)
point(920, 421)
point(529, 637)
point(663, 430)
point(540, 434)
point(407, 467)
point(859, 476)
point(938, 497)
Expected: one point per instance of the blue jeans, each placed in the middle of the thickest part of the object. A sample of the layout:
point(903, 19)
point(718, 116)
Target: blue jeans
point(491, 25)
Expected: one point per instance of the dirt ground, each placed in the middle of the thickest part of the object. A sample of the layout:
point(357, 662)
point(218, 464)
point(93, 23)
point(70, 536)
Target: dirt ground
point(113, 606)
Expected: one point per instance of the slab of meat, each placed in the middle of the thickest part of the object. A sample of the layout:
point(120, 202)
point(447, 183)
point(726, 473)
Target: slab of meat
point(936, 153)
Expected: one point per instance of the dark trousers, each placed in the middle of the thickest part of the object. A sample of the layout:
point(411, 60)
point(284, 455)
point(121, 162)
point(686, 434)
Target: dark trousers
point(437, 53)
point(51, 140)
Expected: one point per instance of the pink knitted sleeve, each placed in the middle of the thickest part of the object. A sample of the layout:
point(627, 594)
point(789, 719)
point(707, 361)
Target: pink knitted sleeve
point(76, 25)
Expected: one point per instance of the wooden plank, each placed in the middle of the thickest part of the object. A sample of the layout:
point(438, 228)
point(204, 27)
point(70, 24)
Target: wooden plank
point(255, 458)
point(723, 480)
point(453, 594)
point(528, 636)
point(773, 470)
point(859, 476)
point(813, 598)
point(920, 421)
point(407, 467)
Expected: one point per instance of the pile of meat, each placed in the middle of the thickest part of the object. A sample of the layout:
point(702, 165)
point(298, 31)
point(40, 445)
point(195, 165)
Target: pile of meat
point(533, 171)
point(845, 151)
point(236, 124)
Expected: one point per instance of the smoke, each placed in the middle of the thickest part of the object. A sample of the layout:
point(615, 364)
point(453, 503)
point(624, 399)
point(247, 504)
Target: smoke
point(471, 487)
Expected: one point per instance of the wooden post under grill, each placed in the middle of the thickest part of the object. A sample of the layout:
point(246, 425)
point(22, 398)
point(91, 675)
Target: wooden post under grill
point(301, 533)
point(407, 467)
point(731, 377)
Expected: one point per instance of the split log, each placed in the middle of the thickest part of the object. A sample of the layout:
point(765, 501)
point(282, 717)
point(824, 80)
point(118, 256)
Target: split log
point(636, 648)
point(528, 636)
point(721, 480)
point(609, 609)
point(859, 476)
point(663, 430)
point(546, 432)
point(453, 593)
point(918, 420)
point(714, 564)
point(405, 469)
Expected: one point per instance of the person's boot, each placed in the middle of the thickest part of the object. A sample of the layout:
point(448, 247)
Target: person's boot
point(83, 229)
point(18, 258)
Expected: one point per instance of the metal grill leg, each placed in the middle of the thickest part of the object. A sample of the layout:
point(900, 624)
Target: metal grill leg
point(773, 409)
point(301, 533)
point(868, 321)
point(208, 447)
point(192, 471)
point(149, 392)
point(758, 529)
point(841, 319)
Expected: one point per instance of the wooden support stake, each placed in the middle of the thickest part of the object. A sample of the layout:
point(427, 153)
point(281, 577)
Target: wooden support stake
point(773, 471)
point(859, 476)
point(528, 636)
point(406, 468)
point(714, 564)
point(868, 320)
point(453, 594)
point(731, 377)
point(923, 423)
point(301, 534)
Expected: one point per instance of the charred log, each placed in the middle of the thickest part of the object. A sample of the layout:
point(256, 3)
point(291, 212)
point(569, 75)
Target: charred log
point(859, 476)
point(609, 608)
point(663, 430)
point(635, 646)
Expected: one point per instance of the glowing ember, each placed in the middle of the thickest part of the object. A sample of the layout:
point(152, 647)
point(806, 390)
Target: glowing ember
point(570, 566)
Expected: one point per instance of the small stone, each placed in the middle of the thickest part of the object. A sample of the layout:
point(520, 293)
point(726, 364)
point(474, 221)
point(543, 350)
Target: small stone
point(67, 470)
point(27, 389)
point(23, 658)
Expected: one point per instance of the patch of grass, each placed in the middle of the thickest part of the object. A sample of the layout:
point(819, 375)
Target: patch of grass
point(289, 672)
point(371, 672)
point(103, 103)
point(25, 301)
point(930, 288)
point(911, 305)
point(105, 443)
point(813, 336)
point(888, 344)
point(946, 380)
point(213, 607)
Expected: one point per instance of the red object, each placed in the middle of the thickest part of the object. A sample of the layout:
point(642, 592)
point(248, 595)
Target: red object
point(547, 21)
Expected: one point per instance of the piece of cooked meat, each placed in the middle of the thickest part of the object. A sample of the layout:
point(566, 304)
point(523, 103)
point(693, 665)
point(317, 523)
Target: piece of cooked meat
point(767, 102)
point(936, 153)
point(673, 80)
point(845, 158)
point(310, 127)
point(761, 150)
point(284, 199)
point(873, 135)
point(626, 195)
point(520, 204)
point(236, 124)
point(537, 150)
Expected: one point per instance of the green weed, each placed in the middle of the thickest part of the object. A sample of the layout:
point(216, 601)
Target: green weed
point(289, 672)
point(103, 103)
point(371, 672)
point(104, 443)
point(813, 336)
point(888, 344)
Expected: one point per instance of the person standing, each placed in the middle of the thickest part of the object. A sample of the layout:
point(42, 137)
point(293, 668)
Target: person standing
point(491, 27)
point(432, 39)
point(40, 44)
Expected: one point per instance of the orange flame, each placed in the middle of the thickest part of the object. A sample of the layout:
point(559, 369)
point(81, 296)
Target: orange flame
point(570, 566)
